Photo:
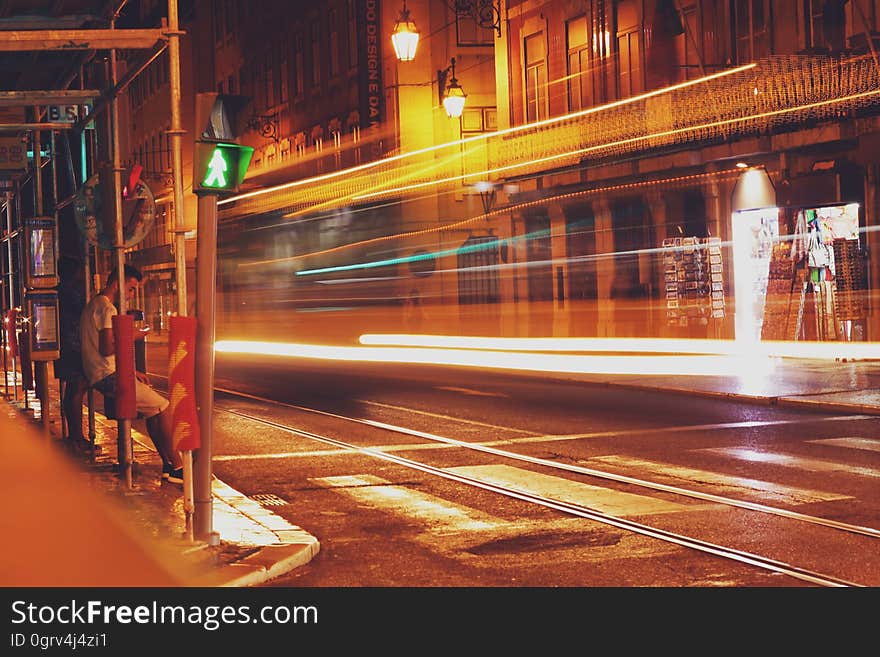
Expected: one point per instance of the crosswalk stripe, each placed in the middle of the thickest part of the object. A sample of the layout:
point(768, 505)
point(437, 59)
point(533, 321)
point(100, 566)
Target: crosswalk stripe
point(601, 499)
point(852, 442)
point(440, 514)
point(730, 484)
point(788, 461)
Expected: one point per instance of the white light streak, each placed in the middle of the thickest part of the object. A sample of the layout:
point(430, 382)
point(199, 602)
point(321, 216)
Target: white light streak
point(665, 365)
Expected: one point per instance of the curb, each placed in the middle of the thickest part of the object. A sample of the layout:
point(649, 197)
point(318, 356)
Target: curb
point(758, 400)
point(282, 546)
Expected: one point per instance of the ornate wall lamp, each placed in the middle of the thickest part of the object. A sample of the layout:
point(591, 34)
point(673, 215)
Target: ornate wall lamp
point(487, 13)
point(451, 95)
point(266, 125)
point(405, 37)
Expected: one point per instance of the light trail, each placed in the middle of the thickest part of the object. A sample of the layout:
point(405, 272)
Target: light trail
point(664, 365)
point(670, 346)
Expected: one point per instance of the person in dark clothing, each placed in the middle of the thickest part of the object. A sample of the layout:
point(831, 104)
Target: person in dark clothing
point(69, 367)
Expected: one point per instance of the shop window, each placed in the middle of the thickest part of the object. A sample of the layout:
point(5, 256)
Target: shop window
point(539, 255)
point(629, 224)
point(580, 242)
point(536, 78)
point(478, 280)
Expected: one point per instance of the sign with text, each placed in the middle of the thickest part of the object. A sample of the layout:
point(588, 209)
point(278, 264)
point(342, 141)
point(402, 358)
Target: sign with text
point(66, 113)
point(13, 153)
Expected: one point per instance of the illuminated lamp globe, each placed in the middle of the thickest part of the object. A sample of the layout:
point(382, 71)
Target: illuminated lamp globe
point(453, 101)
point(405, 37)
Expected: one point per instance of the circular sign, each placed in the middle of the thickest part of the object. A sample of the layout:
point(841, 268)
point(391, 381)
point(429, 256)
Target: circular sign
point(138, 214)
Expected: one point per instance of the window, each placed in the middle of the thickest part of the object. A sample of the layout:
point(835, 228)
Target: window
point(333, 19)
point(686, 54)
point(298, 65)
point(352, 35)
point(629, 51)
point(629, 81)
point(219, 20)
point(752, 30)
point(580, 91)
point(283, 71)
point(826, 23)
point(316, 54)
point(536, 78)
point(269, 78)
point(479, 119)
point(588, 44)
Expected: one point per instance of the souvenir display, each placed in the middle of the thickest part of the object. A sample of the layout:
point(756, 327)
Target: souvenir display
point(694, 285)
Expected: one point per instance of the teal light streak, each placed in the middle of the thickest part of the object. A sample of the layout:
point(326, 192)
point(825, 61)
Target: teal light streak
point(421, 256)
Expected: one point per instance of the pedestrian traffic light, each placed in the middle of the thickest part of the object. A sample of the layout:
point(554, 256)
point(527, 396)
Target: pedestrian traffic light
point(219, 167)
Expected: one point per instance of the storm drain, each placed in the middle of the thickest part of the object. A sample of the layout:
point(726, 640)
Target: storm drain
point(268, 499)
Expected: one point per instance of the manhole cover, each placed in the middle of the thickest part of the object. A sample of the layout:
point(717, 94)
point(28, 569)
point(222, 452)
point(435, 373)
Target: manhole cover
point(267, 499)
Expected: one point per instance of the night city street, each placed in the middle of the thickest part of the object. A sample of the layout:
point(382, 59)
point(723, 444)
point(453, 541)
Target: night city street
point(308, 306)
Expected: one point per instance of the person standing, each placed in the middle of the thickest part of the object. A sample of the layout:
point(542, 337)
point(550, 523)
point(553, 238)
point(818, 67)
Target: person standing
point(99, 363)
point(69, 367)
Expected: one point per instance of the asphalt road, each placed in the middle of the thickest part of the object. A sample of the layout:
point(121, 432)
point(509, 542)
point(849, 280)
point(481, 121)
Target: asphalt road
point(405, 523)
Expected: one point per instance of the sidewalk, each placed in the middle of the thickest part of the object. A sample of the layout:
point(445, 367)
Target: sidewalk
point(89, 497)
point(257, 545)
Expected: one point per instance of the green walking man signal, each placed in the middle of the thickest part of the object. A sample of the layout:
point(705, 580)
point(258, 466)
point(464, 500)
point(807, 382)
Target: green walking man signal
point(216, 170)
point(219, 167)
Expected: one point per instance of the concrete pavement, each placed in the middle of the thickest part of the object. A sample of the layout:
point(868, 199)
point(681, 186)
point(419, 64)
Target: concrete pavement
point(257, 545)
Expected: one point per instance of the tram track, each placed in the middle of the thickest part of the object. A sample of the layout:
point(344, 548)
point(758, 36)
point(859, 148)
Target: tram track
point(570, 508)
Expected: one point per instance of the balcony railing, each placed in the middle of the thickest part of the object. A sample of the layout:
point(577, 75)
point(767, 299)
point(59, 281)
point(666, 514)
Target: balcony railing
point(777, 94)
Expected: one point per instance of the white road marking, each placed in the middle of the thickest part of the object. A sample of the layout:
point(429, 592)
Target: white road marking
point(729, 484)
point(469, 391)
point(558, 488)
point(440, 416)
point(439, 514)
point(788, 461)
point(852, 442)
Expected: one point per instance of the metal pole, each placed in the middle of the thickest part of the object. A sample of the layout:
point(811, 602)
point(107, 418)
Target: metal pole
point(24, 389)
point(84, 143)
point(176, 136)
point(123, 437)
point(206, 274)
point(10, 283)
point(64, 427)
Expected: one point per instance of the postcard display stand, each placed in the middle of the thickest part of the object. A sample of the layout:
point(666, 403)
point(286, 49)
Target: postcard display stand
point(850, 299)
point(694, 283)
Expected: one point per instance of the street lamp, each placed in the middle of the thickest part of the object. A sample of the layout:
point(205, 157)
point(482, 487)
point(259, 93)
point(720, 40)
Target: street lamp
point(405, 37)
point(452, 95)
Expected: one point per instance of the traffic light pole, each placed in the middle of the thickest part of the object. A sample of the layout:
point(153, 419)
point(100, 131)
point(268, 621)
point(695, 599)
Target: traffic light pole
point(206, 288)
point(124, 447)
